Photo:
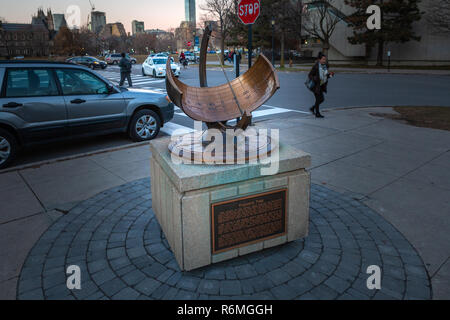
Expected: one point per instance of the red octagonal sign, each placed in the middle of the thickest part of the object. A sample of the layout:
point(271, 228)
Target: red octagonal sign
point(248, 11)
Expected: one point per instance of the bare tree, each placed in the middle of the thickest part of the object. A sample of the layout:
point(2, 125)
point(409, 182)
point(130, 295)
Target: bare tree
point(320, 19)
point(288, 17)
point(143, 43)
point(438, 13)
point(221, 11)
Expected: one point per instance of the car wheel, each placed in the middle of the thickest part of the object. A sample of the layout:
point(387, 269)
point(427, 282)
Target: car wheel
point(92, 67)
point(8, 148)
point(144, 126)
point(154, 73)
point(116, 62)
point(133, 62)
point(143, 72)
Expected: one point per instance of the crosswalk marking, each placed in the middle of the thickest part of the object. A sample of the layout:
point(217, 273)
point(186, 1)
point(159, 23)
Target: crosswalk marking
point(170, 128)
point(255, 114)
point(136, 79)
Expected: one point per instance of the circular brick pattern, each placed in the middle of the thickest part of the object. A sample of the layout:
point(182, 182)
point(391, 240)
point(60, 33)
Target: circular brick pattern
point(116, 241)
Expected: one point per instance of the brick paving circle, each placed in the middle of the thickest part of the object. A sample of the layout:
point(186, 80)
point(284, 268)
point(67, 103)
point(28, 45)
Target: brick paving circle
point(116, 241)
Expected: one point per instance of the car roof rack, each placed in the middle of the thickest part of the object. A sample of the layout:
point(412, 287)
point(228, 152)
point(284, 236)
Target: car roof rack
point(33, 62)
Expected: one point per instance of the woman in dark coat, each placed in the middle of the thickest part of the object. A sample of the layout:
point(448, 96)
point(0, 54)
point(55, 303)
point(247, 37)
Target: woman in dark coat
point(319, 74)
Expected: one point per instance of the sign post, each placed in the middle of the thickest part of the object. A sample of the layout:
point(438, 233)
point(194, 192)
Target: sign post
point(389, 61)
point(248, 12)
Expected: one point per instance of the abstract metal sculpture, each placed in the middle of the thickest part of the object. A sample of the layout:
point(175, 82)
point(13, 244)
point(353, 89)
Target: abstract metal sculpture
point(217, 105)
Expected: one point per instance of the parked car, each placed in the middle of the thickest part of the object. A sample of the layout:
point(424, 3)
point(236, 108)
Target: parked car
point(89, 62)
point(156, 67)
point(191, 57)
point(48, 101)
point(114, 58)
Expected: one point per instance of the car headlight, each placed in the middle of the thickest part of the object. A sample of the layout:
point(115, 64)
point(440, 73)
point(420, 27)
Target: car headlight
point(95, 62)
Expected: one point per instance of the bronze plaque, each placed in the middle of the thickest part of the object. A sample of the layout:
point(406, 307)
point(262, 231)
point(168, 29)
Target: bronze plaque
point(248, 220)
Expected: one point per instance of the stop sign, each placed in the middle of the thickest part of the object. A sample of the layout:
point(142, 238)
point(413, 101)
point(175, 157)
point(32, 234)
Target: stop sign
point(248, 11)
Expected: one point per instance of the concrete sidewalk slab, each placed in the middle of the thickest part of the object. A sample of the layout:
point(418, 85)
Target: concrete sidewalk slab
point(352, 178)
point(18, 200)
point(69, 185)
point(420, 212)
point(441, 282)
point(16, 240)
point(432, 174)
point(396, 165)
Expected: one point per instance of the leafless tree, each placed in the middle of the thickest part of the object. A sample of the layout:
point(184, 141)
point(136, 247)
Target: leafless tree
point(320, 19)
point(143, 43)
point(221, 11)
point(438, 15)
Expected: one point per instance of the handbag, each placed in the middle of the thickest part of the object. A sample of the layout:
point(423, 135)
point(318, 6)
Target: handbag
point(310, 84)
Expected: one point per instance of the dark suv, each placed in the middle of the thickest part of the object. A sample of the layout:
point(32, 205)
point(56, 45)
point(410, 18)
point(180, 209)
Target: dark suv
point(48, 101)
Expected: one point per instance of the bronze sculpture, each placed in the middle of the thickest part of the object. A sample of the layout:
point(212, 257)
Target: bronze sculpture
point(217, 105)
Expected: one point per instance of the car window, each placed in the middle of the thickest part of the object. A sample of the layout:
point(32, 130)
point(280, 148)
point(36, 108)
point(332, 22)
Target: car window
point(30, 83)
point(80, 82)
point(160, 61)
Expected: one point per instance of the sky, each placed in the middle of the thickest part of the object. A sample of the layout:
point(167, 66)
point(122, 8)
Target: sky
point(162, 14)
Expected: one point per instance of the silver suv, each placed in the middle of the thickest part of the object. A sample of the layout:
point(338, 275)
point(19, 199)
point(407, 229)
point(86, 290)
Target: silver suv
point(48, 101)
point(114, 58)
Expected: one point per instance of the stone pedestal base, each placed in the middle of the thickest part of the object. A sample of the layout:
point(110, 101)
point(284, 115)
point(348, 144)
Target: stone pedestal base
point(183, 197)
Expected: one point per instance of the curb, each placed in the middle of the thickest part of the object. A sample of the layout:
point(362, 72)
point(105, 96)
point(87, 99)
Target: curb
point(35, 165)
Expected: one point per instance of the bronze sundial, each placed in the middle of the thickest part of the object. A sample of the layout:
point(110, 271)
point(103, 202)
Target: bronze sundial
point(217, 105)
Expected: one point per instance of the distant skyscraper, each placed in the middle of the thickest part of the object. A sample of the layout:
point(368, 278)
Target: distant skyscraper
point(98, 21)
point(137, 27)
point(189, 6)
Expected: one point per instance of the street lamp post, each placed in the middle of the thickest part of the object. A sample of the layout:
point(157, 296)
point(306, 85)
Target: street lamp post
point(273, 41)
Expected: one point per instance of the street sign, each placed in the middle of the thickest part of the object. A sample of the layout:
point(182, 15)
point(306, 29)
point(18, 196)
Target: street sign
point(248, 11)
point(189, 44)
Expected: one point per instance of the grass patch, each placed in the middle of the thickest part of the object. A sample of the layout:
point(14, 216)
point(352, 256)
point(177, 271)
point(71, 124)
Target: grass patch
point(425, 117)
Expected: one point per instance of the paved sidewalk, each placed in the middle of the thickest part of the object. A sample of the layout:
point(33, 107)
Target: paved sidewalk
point(398, 170)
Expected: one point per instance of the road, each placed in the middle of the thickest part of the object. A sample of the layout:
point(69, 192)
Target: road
point(345, 90)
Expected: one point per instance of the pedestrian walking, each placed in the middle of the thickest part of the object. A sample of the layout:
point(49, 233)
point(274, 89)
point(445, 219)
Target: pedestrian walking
point(125, 70)
point(318, 82)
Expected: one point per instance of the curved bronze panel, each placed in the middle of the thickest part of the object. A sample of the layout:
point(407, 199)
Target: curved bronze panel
point(215, 104)
point(203, 57)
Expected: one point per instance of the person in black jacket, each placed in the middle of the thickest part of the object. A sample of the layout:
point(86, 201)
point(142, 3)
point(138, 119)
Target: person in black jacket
point(319, 74)
point(125, 70)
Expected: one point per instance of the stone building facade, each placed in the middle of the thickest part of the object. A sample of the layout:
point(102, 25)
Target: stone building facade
point(34, 39)
point(432, 49)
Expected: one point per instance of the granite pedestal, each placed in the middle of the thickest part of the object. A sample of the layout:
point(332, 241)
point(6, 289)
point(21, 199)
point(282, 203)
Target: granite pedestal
point(183, 196)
